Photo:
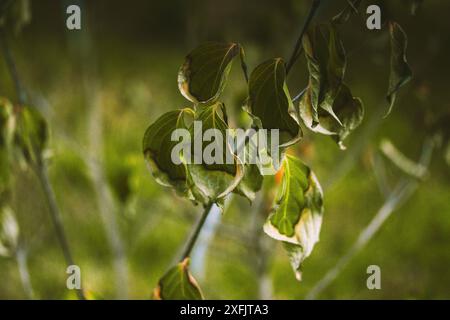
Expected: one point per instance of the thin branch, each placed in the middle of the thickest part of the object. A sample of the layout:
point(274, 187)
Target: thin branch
point(55, 215)
point(298, 45)
point(193, 239)
point(21, 258)
point(40, 168)
point(402, 192)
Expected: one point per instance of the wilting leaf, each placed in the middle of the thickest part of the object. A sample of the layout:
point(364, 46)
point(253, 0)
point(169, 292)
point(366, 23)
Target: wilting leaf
point(158, 146)
point(31, 134)
point(252, 180)
point(346, 107)
point(214, 171)
point(203, 75)
point(400, 72)
point(9, 232)
point(269, 102)
point(346, 13)
point(297, 215)
point(325, 56)
point(6, 137)
point(178, 284)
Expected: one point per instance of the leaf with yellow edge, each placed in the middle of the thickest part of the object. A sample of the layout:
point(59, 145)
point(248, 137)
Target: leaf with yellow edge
point(296, 217)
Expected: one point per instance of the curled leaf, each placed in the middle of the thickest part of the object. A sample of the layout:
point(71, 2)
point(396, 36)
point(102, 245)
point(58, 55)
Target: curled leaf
point(400, 72)
point(178, 284)
point(296, 218)
point(347, 108)
point(269, 101)
point(203, 75)
point(158, 146)
point(326, 60)
point(214, 171)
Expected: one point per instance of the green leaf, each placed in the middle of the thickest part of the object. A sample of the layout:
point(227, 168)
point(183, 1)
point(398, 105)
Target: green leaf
point(7, 123)
point(178, 284)
point(326, 60)
point(157, 147)
point(269, 102)
point(296, 218)
point(203, 75)
point(32, 134)
point(213, 181)
point(400, 72)
point(251, 183)
point(9, 232)
point(346, 13)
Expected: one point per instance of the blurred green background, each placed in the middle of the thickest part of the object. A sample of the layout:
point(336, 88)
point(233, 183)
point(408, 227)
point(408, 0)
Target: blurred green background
point(102, 86)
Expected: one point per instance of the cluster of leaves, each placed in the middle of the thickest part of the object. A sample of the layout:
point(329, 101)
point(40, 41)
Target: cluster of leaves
point(326, 106)
point(23, 137)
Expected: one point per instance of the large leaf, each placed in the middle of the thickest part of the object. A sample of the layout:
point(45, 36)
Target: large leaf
point(400, 72)
point(210, 180)
point(269, 102)
point(178, 284)
point(296, 218)
point(9, 232)
point(31, 134)
point(158, 145)
point(202, 76)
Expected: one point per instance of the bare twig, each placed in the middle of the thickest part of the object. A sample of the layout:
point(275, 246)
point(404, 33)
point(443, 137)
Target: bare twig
point(402, 192)
point(193, 239)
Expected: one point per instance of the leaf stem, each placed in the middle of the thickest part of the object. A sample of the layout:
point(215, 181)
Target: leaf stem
point(298, 45)
point(55, 215)
point(193, 239)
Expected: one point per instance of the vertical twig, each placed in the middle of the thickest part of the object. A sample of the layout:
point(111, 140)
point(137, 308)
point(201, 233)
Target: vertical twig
point(55, 215)
point(193, 239)
point(298, 45)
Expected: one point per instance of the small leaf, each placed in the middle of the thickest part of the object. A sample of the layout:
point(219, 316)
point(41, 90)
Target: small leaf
point(203, 75)
point(158, 146)
point(400, 72)
point(269, 102)
point(214, 180)
point(296, 218)
point(32, 134)
point(178, 284)
point(9, 232)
